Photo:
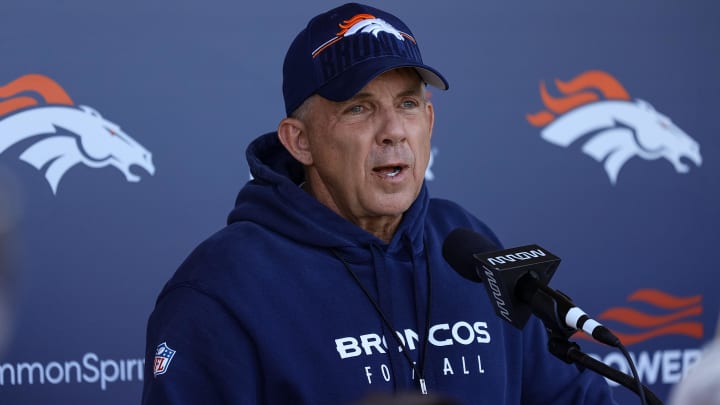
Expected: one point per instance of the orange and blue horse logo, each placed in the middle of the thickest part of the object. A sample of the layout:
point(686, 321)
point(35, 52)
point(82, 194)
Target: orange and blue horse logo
point(596, 107)
point(38, 115)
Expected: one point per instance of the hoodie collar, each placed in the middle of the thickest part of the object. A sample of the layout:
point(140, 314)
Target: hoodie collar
point(274, 199)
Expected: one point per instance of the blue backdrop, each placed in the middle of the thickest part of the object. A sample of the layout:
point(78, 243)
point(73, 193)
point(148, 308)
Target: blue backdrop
point(590, 129)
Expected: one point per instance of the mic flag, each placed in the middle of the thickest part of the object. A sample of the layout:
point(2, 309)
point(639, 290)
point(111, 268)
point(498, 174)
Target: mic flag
point(477, 259)
point(516, 281)
point(504, 272)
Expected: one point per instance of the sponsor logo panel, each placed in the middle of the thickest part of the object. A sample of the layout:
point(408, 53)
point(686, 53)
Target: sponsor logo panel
point(90, 369)
point(648, 316)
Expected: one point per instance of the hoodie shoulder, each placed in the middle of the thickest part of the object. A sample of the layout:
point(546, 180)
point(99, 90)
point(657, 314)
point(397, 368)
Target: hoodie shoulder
point(209, 263)
point(448, 215)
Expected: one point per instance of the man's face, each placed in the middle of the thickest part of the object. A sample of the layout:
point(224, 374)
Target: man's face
point(369, 153)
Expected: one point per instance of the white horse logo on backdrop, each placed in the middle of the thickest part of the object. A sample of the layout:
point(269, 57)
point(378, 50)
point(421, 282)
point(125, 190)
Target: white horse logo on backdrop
point(64, 134)
point(617, 128)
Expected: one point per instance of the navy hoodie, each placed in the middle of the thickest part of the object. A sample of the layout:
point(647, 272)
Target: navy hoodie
point(285, 305)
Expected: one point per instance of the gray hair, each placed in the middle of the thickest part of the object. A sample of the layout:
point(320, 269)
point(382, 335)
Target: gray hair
point(303, 110)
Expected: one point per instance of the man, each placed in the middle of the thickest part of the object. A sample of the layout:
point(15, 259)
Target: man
point(328, 284)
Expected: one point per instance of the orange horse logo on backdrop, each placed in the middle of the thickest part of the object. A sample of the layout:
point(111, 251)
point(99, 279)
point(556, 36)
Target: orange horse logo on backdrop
point(596, 107)
point(56, 134)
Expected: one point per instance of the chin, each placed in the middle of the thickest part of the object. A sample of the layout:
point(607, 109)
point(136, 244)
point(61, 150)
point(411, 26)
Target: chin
point(395, 205)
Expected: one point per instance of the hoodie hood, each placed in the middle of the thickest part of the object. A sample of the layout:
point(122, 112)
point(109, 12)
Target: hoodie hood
point(292, 304)
point(274, 199)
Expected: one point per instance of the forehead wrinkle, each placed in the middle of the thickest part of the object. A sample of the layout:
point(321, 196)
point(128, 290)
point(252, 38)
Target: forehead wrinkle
point(414, 89)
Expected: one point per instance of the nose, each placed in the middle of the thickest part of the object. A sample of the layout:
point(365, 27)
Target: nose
point(392, 129)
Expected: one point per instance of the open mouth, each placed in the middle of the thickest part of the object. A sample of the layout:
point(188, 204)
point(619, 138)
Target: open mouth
point(389, 171)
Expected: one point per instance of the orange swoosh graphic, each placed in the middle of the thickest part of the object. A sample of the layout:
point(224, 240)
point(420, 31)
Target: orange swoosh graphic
point(586, 88)
point(603, 82)
point(690, 329)
point(644, 326)
point(662, 299)
point(16, 103)
point(636, 318)
point(567, 103)
point(540, 119)
point(48, 89)
point(347, 24)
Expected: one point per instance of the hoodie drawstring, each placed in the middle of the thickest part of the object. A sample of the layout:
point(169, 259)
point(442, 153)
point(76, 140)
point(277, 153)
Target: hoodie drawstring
point(419, 368)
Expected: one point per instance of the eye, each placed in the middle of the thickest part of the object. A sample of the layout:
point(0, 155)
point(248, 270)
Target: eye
point(356, 109)
point(409, 104)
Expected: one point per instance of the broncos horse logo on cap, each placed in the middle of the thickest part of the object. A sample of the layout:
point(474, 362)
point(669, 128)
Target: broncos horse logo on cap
point(363, 23)
point(65, 134)
point(618, 128)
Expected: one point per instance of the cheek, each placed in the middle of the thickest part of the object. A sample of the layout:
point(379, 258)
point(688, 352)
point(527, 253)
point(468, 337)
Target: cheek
point(423, 149)
point(341, 160)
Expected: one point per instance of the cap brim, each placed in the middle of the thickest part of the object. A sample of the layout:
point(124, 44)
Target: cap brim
point(350, 82)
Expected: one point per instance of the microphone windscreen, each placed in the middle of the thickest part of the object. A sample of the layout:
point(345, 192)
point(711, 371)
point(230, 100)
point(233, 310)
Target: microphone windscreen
point(460, 246)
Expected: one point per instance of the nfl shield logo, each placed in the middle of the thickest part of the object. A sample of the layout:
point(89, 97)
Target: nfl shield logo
point(163, 356)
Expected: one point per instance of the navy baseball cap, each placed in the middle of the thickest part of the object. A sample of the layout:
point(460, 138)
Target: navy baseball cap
point(340, 51)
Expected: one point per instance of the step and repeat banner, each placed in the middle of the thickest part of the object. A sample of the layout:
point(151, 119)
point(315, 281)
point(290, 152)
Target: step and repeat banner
point(589, 129)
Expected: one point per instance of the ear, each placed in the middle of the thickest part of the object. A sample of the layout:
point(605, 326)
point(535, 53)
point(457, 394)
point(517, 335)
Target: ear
point(431, 115)
point(293, 135)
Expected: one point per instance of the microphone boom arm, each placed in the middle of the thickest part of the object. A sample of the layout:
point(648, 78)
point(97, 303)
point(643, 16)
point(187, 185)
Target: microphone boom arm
point(569, 352)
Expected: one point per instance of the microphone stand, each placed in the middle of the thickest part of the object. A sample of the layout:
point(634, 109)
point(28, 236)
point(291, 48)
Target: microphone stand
point(569, 352)
point(545, 307)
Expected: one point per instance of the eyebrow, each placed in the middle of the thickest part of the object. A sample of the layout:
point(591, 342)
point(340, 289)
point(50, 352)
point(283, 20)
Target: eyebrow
point(409, 92)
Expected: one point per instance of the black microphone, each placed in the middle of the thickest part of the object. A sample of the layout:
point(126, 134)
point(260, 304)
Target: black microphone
point(516, 281)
